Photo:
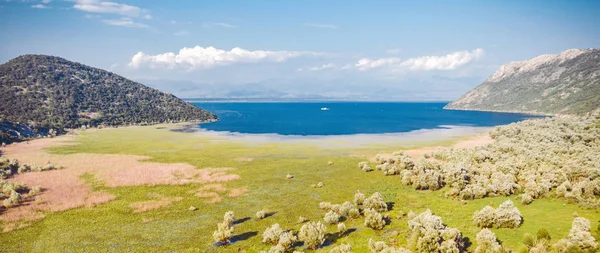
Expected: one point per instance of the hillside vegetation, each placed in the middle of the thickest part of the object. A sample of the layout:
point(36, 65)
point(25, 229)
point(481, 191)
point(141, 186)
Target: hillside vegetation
point(566, 83)
point(51, 92)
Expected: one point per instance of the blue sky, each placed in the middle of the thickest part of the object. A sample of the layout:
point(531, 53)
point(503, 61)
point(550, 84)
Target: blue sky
point(394, 50)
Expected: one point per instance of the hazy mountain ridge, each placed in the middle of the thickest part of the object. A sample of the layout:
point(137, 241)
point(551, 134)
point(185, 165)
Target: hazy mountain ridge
point(565, 83)
point(51, 92)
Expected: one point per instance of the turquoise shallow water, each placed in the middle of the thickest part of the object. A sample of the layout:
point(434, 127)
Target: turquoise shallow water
point(344, 118)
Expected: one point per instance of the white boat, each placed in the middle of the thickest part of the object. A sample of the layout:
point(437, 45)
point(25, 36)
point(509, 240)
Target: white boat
point(324, 109)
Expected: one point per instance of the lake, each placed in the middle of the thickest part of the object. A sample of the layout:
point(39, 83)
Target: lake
point(344, 118)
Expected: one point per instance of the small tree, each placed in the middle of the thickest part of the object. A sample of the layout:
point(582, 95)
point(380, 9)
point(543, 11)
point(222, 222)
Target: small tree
point(373, 219)
point(312, 234)
point(375, 202)
point(223, 233)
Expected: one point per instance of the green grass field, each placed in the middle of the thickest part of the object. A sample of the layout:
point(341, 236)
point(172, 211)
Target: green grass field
point(113, 227)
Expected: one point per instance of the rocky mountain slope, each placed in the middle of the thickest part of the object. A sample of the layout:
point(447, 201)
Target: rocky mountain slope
point(48, 92)
point(565, 83)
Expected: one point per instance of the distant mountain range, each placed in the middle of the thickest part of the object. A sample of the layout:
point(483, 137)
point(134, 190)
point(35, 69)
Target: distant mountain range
point(47, 92)
point(565, 83)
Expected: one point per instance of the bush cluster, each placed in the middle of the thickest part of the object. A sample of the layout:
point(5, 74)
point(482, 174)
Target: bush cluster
point(429, 234)
point(505, 216)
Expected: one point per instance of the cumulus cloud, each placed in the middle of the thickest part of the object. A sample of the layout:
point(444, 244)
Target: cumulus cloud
point(326, 26)
point(366, 63)
point(208, 57)
point(318, 68)
point(446, 62)
point(218, 24)
point(97, 6)
point(124, 22)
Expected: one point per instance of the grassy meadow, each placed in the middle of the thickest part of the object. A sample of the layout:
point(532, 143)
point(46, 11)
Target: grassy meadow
point(114, 227)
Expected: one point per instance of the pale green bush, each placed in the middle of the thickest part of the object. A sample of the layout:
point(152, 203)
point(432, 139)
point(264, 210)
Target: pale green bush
point(261, 214)
point(229, 218)
point(429, 234)
point(381, 247)
point(354, 213)
point(331, 217)
point(505, 216)
point(342, 248)
point(342, 228)
point(487, 242)
point(272, 234)
point(359, 198)
point(312, 234)
point(223, 233)
point(375, 202)
point(373, 219)
point(287, 239)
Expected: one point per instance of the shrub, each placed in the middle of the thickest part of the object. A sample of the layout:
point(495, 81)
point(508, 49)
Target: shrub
point(320, 184)
point(229, 218)
point(35, 190)
point(542, 233)
point(345, 208)
point(359, 198)
point(580, 235)
point(261, 214)
point(381, 247)
point(223, 233)
point(289, 176)
point(325, 205)
point(272, 234)
point(287, 239)
point(505, 216)
point(487, 242)
point(373, 219)
point(331, 217)
point(375, 202)
point(354, 213)
point(342, 248)
point(276, 249)
point(302, 219)
point(312, 234)
point(429, 234)
point(342, 228)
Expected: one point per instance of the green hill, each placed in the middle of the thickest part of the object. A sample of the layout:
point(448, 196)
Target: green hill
point(566, 83)
point(51, 92)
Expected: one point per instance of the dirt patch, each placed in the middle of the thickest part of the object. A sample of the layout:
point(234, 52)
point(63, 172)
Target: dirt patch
point(144, 206)
point(238, 192)
point(476, 141)
point(64, 189)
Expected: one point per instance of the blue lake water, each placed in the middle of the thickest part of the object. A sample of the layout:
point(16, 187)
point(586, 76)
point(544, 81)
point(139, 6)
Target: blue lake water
point(343, 118)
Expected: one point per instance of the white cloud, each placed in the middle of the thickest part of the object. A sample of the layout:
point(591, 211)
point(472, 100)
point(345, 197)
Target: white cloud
point(40, 6)
point(326, 26)
point(318, 68)
point(124, 22)
point(203, 58)
point(218, 24)
point(447, 62)
point(181, 33)
point(366, 64)
point(97, 6)
point(393, 51)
